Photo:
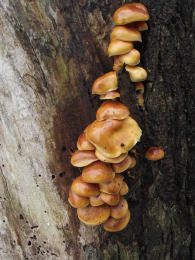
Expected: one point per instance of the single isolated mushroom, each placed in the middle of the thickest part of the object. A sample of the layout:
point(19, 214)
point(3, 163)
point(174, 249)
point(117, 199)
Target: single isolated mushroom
point(114, 186)
point(132, 58)
point(124, 189)
point(83, 158)
point(77, 201)
point(84, 144)
point(136, 73)
point(96, 201)
point(84, 189)
point(117, 47)
point(107, 82)
point(120, 210)
point(103, 158)
point(155, 153)
point(110, 199)
point(128, 162)
point(125, 33)
point(110, 95)
point(114, 225)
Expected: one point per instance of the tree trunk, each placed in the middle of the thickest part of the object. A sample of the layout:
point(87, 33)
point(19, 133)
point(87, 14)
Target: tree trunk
point(50, 54)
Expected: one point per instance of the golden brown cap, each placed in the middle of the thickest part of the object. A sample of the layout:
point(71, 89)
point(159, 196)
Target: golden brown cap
point(112, 187)
point(139, 87)
point(117, 47)
point(112, 110)
point(94, 215)
point(132, 58)
point(113, 225)
point(124, 165)
point(84, 189)
point(141, 26)
point(98, 172)
point(83, 158)
point(120, 210)
point(103, 158)
point(124, 189)
point(125, 33)
point(114, 137)
point(130, 13)
point(136, 73)
point(117, 63)
point(84, 144)
point(110, 95)
point(110, 199)
point(96, 201)
point(105, 83)
point(155, 154)
point(140, 99)
point(77, 201)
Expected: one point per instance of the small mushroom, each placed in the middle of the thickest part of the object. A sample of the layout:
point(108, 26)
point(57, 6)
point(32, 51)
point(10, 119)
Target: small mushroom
point(141, 26)
point(132, 58)
point(84, 189)
point(120, 210)
point(117, 47)
point(113, 225)
point(112, 187)
point(124, 189)
point(155, 154)
point(110, 95)
point(139, 87)
point(96, 201)
point(107, 82)
point(136, 73)
point(110, 199)
point(125, 33)
point(84, 144)
point(128, 162)
point(117, 63)
point(103, 158)
point(77, 201)
point(83, 158)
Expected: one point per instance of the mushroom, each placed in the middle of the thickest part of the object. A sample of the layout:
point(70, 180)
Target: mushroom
point(132, 58)
point(103, 158)
point(96, 201)
point(129, 13)
point(117, 63)
point(98, 172)
point(125, 33)
point(113, 137)
point(110, 95)
point(77, 201)
point(128, 162)
point(105, 83)
point(117, 47)
point(155, 154)
point(84, 189)
point(112, 110)
point(113, 225)
point(136, 73)
point(141, 26)
point(139, 88)
point(83, 143)
point(83, 158)
point(110, 199)
point(124, 189)
point(94, 215)
point(112, 187)
point(120, 210)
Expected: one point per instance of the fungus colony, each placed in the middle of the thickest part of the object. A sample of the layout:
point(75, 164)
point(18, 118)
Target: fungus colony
point(104, 145)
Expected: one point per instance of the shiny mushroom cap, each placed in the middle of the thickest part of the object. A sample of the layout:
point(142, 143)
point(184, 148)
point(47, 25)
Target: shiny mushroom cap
point(110, 199)
point(94, 215)
point(125, 33)
point(107, 82)
point(155, 154)
point(141, 26)
point(114, 225)
point(130, 13)
point(114, 186)
point(84, 189)
point(136, 73)
point(96, 201)
point(110, 95)
point(124, 189)
point(120, 210)
point(124, 165)
point(103, 158)
point(84, 144)
point(98, 172)
point(132, 58)
point(112, 110)
point(77, 201)
point(114, 137)
point(117, 47)
point(83, 158)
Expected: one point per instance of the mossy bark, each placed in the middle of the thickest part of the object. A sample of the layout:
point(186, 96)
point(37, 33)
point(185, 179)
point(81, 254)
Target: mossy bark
point(51, 51)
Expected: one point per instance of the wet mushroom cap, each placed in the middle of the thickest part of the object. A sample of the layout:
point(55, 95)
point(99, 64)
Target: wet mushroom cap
point(114, 186)
point(98, 172)
point(136, 73)
point(124, 189)
point(110, 199)
point(77, 201)
point(105, 83)
point(155, 154)
point(125, 33)
point(103, 158)
point(114, 137)
point(110, 95)
point(117, 47)
point(112, 110)
point(114, 225)
point(83, 143)
point(96, 201)
point(120, 210)
point(123, 165)
point(94, 215)
point(141, 26)
point(83, 158)
point(132, 58)
point(84, 189)
point(130, 13)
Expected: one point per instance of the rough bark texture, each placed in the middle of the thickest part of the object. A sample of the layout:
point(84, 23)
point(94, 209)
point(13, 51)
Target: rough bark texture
point(51, 51)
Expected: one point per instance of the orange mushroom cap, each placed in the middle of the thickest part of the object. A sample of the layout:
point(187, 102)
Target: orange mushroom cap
point(136, 73)
point(127, 163)
point(112, 187)
point(124, 189)
point(110, 199)
point(96, 201)
point(110, 95)
point(117, 47)
point(105, 83)
point(117, 63)
point(103, 158)
point(120, 210)
point(141, 26)
point(84, 189)
point(77, 201)
point(125, 33)
point(114, 225)
point(83, 143)
point(132, 58)
point(83, 158)
point(155, 154)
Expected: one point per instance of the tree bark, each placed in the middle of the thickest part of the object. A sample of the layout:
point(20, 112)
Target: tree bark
point(50, 54)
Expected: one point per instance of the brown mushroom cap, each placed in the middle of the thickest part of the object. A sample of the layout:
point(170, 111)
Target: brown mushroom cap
point(114, 186)
point(112, 110)
point(84, 189)
point(117, 63)
point(83, 143)
point(83, 158)
point(98, 172)
point(113, 225)
point(130, 13)
point(103, 158)
point(117, 47)
point(155, 153)
point(123, 165)
point(124, 189)
point(113, 137)
point(110, 199)
point(110, 95)
point(77, 201)
point(132, 58)
point(141, 26)
point(94, 215)
point(120, 210)
point(139, 87)
point(136, 73)
point(125, 33)
point(96, 201)
point(105, 83)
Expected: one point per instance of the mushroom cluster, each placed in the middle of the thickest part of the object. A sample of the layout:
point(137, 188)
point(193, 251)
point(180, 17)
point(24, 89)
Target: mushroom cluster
point(104, 144)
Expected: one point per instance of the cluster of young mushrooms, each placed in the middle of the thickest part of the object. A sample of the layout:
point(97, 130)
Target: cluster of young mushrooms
point(104, 145)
